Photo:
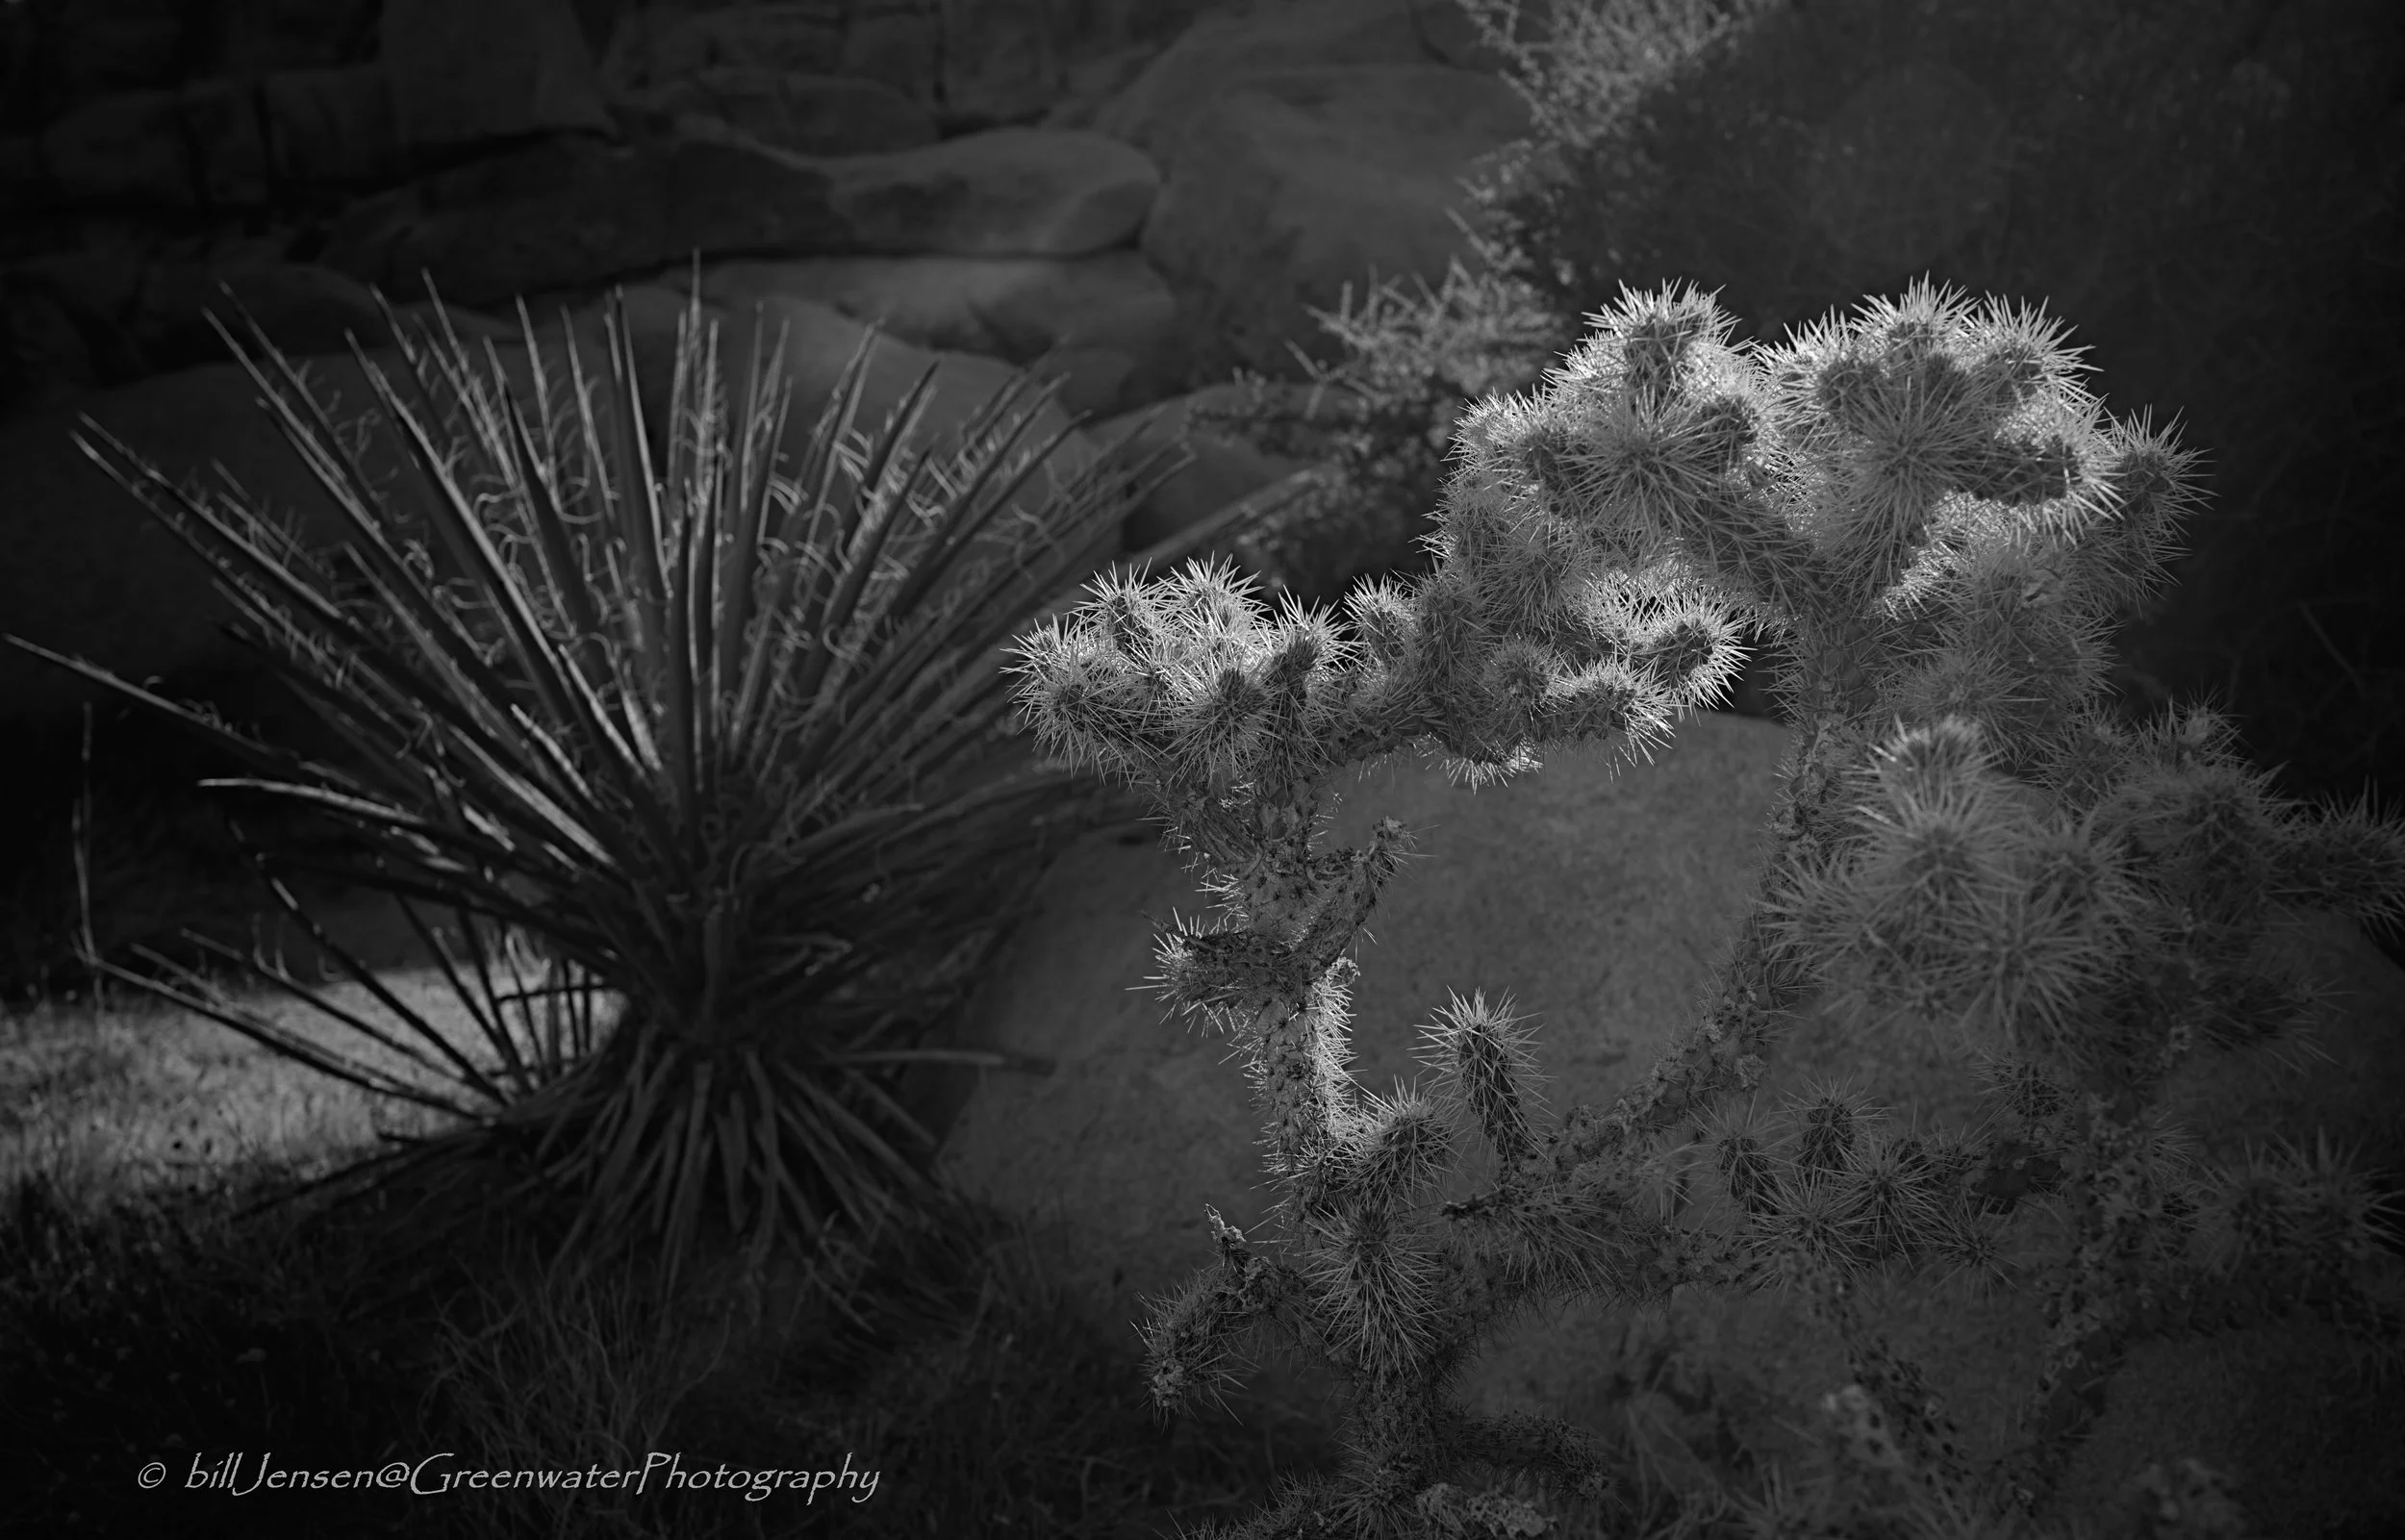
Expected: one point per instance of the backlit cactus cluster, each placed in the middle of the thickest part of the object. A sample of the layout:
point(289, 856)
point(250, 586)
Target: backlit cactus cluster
point(1941, 528)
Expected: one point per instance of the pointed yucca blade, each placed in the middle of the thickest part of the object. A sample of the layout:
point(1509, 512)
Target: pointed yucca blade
point(1089, 510)
point(837, 1150)
point(396, 585)
point(768, 397)
point(621, 760)
point(984, 681)
point(623, 525)
point(733, 1126)
point(805, 1213)
point(190, 992)
point(813, 552)
point(903, 651)
point(987, 440)
point(565, 575)
point(827, 671)
point(871, 526)
point(463, 1069)
point(659, 632)
point(456, 521)
point(896, 724)
point(229, 546)
point(683, 703)
point(639, 504)
point(483, 1012)
point(482, 1004)
point(682, 1203)
point(330, 460)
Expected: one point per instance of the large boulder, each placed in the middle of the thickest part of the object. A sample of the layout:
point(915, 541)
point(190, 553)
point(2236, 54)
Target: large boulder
point(1106, 322)
point(1599, 904)
point(570, 211)
point(91, 574)
point(303, 307)
point(126, 317)
point(467, 70)
point(57, 56)
point(1219, 467)
point(655, 45)
point(977, 63)
point(215, 144)
point(1304, 151)
point(1593, 901)
point(1228, 46)
point(791, 110)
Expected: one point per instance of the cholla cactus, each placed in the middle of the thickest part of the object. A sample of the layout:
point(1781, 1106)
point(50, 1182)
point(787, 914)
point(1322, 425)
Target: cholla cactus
point(1380, 418)
point(1923, 504)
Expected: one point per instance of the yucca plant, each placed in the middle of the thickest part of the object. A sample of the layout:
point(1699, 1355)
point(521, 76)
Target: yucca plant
point(688, 750)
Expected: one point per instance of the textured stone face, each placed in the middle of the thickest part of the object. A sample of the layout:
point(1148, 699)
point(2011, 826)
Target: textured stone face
point(653, 46)
point(462, 70)
point(788, 109)
point(1595, 900)
point(570, 211)
point(1285, 189)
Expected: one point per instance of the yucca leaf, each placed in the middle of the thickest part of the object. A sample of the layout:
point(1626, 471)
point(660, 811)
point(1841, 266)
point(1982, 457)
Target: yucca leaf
point(700, 1114)
point(640, 511)
point(454, 519)
point(566, 579)
point(914, 673)
point(768, 400)
point(784, 1187)
point(986, 443)
point(685, 776)
point(733, 1127)
point(872, 1142)
point(877, 508)
point(484, 1006)
point(821, 463)
point(617, 520)
point(484, 1012)
point(186, 989)
point(233, 542)
point(465, 1069)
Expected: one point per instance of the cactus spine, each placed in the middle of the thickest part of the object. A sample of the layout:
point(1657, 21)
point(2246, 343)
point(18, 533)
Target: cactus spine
point(1942, 526)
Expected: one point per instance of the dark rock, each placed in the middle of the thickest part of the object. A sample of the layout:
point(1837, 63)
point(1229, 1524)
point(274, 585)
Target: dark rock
point(218, 143)
point(1001, 61)
point(572, 211)
point(128, 147)
point(464, 70)
point(1222, 470)
point(654, 45)
point(1223, 49)
point(44, 359)
point(1107, 321)
point(104, 46)
point(303, 309)
point(332, 125)
point(809, 114)
point(898, 42)
point(1285, 190)
point(253, 38)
